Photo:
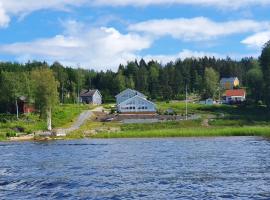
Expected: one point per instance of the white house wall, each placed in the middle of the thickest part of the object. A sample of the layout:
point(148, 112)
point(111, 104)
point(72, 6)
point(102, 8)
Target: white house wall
point(137, 105)
point(97, 99)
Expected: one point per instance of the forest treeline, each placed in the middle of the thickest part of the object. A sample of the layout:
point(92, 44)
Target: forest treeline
point(158, 82)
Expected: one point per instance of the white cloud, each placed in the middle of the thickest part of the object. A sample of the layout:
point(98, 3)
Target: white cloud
point(99, 48)
point(214, 3)
point(105, 48)
point(27, 6)
point(4, 18)
point(186, 53)
point(257, 40)
point(10, 8)
point(197, 29)
point(22, 7)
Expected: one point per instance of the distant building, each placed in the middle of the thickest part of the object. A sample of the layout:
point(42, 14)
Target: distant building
point(127, 94)
point(132, 101)
point(91, 97)
point(235, 96)
point(24, 105)
point(208, 102)
point(229, 83)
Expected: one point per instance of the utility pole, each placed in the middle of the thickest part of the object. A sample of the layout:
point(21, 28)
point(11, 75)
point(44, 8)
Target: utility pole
point(78, 83)
point(186, 103)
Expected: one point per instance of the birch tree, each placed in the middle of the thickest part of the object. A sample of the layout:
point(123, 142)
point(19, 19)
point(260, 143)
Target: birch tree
point(45, 93)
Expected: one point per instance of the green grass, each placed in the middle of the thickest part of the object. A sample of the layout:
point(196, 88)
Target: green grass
point(90, 125)
point(229, 121)
point(161, 125)
point(63, 116)
point(180, 107)
point(3, 136)
point(29, 123)
point(241, 115)
point(190, 132)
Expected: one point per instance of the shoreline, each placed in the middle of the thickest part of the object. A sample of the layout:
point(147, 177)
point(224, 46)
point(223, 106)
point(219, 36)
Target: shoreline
point(252, 131)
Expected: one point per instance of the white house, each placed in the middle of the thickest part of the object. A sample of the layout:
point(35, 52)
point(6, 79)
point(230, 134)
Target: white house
point(127, 94)
point(136, 104)
point(235, 96)
point(91, 97)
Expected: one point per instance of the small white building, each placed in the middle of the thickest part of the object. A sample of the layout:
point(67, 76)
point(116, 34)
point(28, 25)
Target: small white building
point(208, 102)
point(127, 94)
point(91, 97)
point(137, 104)
point(235, 96)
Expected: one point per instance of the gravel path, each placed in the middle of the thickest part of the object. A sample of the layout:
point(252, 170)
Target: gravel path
point(80, 121)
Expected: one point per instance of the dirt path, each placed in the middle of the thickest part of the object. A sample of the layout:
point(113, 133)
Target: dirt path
point(205, 122)
point(22, 138)
point(84, 116)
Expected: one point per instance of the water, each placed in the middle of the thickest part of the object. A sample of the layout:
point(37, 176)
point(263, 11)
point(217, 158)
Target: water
point(187, 168)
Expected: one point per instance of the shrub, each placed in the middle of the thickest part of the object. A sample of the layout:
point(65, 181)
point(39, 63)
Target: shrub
point(11, 133)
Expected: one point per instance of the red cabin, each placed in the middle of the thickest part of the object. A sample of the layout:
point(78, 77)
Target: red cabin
point(24, 106)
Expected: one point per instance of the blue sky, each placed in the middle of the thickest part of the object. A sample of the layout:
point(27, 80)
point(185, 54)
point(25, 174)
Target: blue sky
point(101, 34)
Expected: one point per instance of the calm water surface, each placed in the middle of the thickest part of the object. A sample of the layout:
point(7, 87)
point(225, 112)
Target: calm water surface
point(187, 168)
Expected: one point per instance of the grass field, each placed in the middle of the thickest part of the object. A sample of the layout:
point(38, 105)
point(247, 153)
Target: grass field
point(63, 116)
point(222, 120)
point(227, 121)
point(189, 132)
point(241, 115)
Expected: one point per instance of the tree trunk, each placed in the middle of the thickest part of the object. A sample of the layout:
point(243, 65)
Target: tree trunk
point(17, 109)
point(49, 119)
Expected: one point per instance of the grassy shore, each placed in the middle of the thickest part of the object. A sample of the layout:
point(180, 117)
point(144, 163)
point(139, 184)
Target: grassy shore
point(190, 132)
point(217, 120)
point(63, 116)
point(222, 120)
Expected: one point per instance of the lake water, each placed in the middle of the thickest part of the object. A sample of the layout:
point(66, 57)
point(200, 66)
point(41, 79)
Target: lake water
point(184, 168)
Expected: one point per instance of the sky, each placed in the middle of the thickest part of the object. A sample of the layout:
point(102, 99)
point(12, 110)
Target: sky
point(101, 34)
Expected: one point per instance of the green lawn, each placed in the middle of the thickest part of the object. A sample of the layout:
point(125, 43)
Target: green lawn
point(63, 116)
point(223, 120)
point(190, 132)
point(227, 115)
point(228, 121)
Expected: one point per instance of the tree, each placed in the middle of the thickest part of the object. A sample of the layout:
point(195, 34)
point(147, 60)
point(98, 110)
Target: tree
point(130, 82)
point(45, 93)
point(153, 80)
point(120, 81)
point(211, 79)
point(265, 64)
point(255, 82)
point(61, 76)
point(79, 82)
point(13, 86)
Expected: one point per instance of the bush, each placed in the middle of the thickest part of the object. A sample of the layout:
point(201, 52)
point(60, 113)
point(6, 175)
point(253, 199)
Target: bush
point(4, 118)
point(113, 110)
point(11, 133)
